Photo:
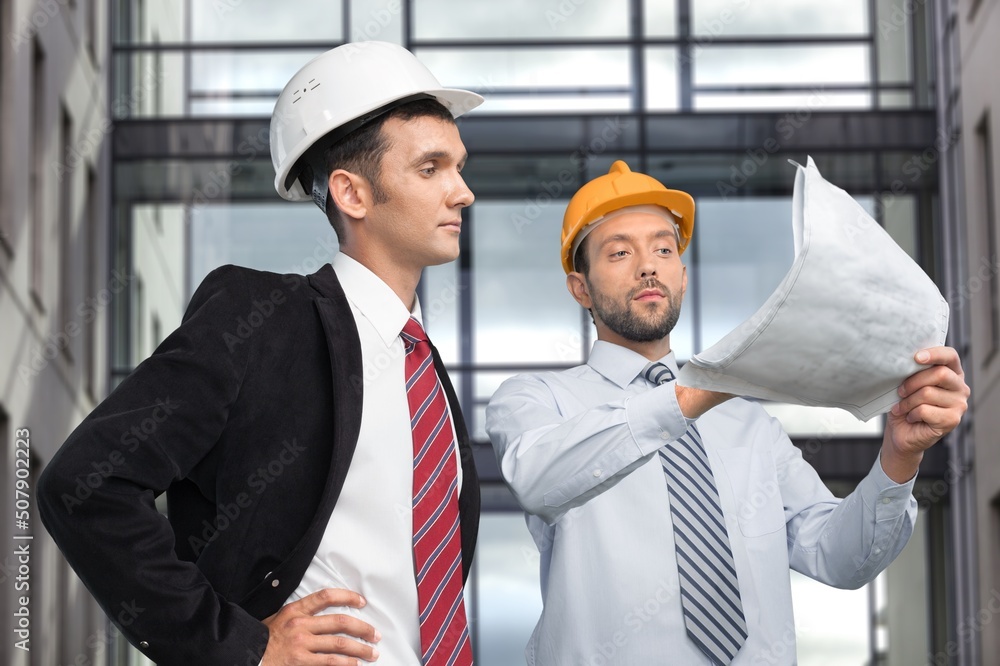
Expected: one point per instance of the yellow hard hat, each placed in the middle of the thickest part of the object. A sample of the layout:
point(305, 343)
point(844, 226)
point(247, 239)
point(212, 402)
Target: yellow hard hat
point(620, 188)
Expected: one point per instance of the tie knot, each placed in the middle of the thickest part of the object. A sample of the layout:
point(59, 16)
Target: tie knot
point(413, 332)
point(657, 373)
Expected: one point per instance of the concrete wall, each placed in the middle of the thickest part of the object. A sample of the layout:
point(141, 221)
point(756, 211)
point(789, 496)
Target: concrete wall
point(54, 286)
point(979, 25)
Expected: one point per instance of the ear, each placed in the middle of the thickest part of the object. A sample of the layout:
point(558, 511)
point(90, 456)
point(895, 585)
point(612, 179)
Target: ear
point(684, 281)
point(350, 193)
point(577, 285)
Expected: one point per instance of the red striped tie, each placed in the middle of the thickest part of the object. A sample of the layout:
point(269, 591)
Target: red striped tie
point(437, 547)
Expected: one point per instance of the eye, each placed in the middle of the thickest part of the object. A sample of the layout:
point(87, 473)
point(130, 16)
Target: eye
point(619, 254)
point(665, 251)
point(429, 171)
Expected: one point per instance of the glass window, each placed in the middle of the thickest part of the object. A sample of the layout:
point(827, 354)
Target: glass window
point(231, 83)
point(509, 600)
point(662, 90)
point(267, 21)
point(660, 18)
point(899, 217)
point(808, 100)
point(732, 18)
point(523, 312)
point(146, 21)
point(242, 81)
point(439, 307)
point(744, 250)
point(536, 79)
point(279, 237)
point(895, 99)
point(149, 84)
point(781, 65)
point(520, 19)
point(893, 42)
point(377, 19)
point(822, 642)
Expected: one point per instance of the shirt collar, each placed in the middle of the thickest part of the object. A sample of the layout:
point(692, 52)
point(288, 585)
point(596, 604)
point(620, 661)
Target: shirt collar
point(373, 298)
point(621, 365)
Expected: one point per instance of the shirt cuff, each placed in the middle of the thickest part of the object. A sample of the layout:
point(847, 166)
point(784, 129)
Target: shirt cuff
point(889, 498)
point(654, 418)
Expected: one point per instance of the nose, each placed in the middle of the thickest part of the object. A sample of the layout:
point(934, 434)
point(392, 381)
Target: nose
point(645, 267)
point(461, 195)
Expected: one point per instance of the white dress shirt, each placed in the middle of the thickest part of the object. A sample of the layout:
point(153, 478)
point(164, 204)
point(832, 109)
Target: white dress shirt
point(578, 449)
point(368, 543)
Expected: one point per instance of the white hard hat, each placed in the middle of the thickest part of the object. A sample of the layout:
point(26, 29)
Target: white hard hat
point(337, 92)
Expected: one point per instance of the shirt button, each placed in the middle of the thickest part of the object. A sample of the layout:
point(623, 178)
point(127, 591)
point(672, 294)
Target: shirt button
point(597, 473)
point(143, 644)
point(275, 583)
point(664, 435)
point(886, 500)
point(878, 550)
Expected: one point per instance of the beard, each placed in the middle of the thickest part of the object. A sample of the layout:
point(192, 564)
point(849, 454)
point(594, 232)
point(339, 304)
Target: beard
point(629, 320)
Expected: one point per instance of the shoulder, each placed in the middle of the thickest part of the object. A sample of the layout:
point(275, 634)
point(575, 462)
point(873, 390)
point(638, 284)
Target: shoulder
point(240, 285)
point(551, 379)
point(551, 388)
point(231, 276)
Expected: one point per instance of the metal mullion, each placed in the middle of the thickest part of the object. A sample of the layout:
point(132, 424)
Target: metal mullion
point(519, 43)
point(408, 40)
point(873, 69)
point(345, 20)
point(188, 29)
point(749, 40)
point(507, 44)
point(685, 75)
point(228, 46)
point(639, 73)
point(798, 87)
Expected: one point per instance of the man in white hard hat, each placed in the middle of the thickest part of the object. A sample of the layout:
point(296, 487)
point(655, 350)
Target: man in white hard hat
point(668, 517)
point(322, 497)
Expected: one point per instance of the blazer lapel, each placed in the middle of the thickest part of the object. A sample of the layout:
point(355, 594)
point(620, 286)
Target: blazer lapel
point(344, 347)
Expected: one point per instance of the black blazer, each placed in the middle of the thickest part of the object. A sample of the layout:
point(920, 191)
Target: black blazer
point(247, 416)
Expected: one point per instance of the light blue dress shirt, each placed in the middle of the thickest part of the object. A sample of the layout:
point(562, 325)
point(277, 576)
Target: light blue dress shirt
point(578, 450)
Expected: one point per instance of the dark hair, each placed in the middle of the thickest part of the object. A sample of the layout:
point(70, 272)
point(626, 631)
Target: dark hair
point(581, 262)
point(361, 151)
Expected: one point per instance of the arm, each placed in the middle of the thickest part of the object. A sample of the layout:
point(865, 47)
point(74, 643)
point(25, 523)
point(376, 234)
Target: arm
point(113, 535)
point(844, 543)
point(849, 543)
point(554, 461)
point(96, 497)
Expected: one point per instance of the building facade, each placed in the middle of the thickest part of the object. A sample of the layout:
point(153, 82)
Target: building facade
point(55, 296)
point(976, 183)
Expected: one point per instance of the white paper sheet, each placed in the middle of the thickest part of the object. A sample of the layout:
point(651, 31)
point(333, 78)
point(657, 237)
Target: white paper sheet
point(843, 326)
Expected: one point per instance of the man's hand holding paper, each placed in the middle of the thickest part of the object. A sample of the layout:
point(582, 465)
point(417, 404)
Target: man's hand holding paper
point(932, 402)
point(847, 327)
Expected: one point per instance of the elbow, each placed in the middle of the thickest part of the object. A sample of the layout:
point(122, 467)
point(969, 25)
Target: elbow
point(528, 495)
point(59, 494)
point(535, 506)
point(52, 484)
point(854, 583)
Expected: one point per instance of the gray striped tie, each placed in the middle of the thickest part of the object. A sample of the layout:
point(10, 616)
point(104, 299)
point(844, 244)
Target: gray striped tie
point(710, 591)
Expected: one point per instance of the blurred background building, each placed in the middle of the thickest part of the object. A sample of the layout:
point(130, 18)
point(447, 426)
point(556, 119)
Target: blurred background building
point(134, 159)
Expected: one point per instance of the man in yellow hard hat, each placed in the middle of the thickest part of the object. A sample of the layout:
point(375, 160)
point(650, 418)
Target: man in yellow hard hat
point(289, 419)
point(668, 517)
